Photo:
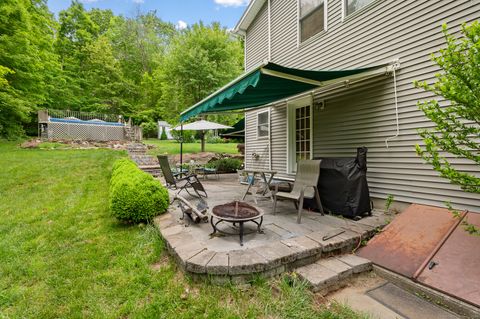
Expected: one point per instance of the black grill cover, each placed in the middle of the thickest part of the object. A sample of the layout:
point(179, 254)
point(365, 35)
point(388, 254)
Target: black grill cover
point(343, 185)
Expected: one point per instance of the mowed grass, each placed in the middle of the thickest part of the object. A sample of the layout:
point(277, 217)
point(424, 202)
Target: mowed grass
point(173, 147)
point(62, 255)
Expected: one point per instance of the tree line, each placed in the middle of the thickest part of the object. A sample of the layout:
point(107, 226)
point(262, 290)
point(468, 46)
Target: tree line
point(93, 60)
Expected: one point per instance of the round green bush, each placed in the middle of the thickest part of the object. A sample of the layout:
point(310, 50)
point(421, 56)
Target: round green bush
point(226, 165)
point(135, 196)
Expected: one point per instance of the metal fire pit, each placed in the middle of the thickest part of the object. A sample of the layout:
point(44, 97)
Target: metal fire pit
point(236, 212)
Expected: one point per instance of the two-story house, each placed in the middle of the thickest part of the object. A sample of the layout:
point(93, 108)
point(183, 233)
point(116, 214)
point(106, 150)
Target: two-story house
point(380, 47)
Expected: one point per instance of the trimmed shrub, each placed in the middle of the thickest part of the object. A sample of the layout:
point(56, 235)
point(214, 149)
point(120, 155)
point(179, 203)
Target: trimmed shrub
point(163, 136)
point(135, 196)
point(188, 136)
point(216, 140)
point(226, 165)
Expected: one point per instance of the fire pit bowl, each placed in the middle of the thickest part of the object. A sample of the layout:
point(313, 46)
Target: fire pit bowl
point(236, 212)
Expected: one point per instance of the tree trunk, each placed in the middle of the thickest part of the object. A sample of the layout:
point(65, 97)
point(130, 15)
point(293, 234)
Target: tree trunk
point(202, 139)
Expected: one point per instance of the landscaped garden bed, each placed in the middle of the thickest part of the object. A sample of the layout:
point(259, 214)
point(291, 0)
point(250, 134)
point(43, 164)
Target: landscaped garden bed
point(73, 144)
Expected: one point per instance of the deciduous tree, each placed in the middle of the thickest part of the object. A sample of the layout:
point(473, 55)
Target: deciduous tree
point(200, 60)
point(105, 85)
point(457, 125)
point(28, 63)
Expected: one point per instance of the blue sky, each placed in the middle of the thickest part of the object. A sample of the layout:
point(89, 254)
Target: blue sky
point(179, 12)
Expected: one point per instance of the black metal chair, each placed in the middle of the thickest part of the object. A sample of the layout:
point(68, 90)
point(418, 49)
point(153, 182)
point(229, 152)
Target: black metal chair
point(188, 183)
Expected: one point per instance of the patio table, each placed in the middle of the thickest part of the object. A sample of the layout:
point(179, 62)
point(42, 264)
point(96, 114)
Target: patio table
point(251, 173)
point(202, 169)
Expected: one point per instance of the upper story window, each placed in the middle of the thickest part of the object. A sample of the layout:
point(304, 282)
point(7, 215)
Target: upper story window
point(312, 18)
point(263, 124)
point(352, 6)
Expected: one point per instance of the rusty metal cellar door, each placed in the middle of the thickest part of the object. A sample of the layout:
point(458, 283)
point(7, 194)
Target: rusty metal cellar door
point(455, 268)
point(429, 245)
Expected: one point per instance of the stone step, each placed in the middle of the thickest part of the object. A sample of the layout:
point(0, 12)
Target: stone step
point(329, 274)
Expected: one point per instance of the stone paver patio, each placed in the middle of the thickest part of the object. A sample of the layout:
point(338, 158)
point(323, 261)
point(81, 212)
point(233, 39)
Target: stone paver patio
point(284, 245)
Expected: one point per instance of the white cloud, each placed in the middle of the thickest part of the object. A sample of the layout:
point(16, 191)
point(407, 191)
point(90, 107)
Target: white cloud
point(88, 1)
point(139, 1)
point(232, 3)
point(181, 25)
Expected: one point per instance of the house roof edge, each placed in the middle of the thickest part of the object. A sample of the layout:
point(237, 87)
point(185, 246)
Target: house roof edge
point(248, 16)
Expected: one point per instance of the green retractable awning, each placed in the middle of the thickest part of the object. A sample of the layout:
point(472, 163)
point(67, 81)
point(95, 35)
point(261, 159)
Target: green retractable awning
point(269, 83)
point(238, 130)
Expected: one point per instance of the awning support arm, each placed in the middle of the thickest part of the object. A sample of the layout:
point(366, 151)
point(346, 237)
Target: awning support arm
point(382, 70)
point(290, 77)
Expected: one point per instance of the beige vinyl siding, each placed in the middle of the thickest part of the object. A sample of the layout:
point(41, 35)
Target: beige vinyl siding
point(349, 121)
point(256, 44)
point(364, 113)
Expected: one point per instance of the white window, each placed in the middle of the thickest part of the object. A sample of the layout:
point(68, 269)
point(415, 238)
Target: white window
point(300, 131)
point(312, 18)
point(352, 6)
point(263, 124)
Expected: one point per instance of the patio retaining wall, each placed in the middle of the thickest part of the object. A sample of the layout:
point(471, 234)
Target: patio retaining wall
point(268, 260)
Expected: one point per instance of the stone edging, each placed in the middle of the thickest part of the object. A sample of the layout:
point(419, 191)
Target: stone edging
point(268, 260)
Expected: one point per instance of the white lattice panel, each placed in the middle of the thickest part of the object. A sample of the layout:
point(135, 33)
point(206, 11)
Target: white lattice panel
point(85, 132)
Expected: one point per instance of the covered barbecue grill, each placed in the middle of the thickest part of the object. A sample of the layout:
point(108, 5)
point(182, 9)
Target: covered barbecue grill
point(343, 185)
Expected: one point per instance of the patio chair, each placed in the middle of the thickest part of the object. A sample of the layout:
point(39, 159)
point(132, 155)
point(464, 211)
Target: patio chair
point(205, 171)
point(210, 171)
point(188, 183)
point(305, 186)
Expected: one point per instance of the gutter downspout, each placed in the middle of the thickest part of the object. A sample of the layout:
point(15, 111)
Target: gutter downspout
point(244, 51)
point(270, 108)
point(269, 33)
point(244, 35)
point(270, 138)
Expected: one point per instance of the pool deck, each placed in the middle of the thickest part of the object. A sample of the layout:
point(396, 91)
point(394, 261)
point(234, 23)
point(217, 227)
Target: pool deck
point(283, 245)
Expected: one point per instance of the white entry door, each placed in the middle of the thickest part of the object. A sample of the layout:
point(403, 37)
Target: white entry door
point(299, 131)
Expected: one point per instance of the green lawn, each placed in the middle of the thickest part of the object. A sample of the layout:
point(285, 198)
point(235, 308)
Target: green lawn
point(63, 256)
point(173, 147)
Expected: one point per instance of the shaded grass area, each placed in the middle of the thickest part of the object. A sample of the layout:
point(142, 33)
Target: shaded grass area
point(172, 147)
point(53, 145)
point(63, 255)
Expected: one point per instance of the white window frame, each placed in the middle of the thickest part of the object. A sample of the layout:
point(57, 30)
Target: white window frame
point(268, 123)
point(291, 136)
point(299, 28)
point(359, 11)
